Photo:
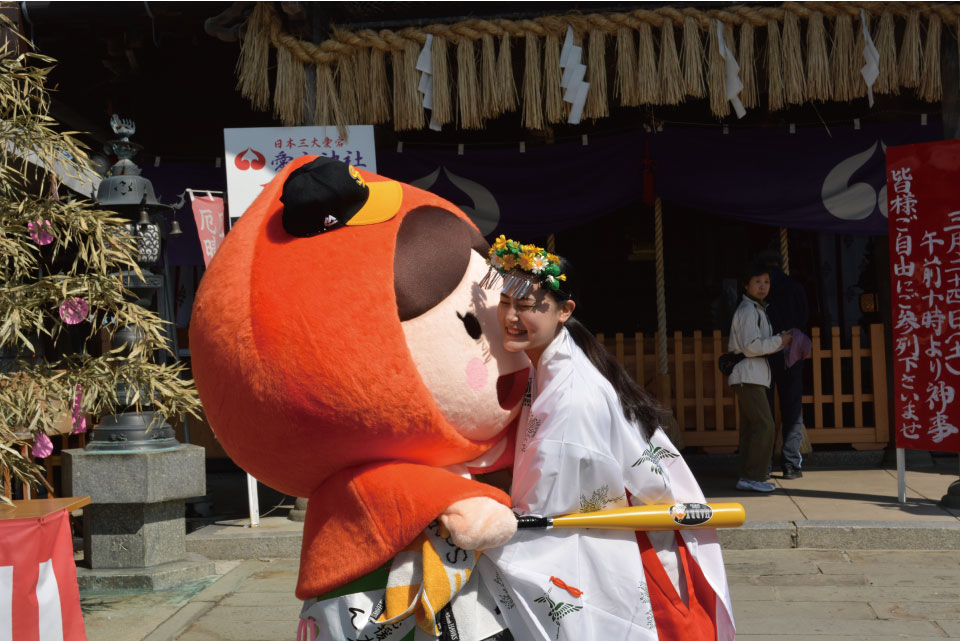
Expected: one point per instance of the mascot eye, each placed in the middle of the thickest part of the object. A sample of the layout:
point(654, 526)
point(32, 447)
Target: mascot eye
point(471, 324)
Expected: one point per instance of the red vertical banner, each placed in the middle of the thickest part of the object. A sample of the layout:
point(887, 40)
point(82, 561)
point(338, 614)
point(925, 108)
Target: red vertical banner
point(208, 214)
point(923, 207)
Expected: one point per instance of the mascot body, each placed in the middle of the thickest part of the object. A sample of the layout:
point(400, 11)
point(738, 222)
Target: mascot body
point(344, 352)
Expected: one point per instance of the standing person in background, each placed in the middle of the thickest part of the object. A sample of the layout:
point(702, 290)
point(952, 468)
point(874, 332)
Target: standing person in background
point(787, 309)
point(751, 335)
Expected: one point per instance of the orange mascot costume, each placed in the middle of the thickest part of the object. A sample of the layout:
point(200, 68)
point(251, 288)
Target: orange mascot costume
point(344, 352)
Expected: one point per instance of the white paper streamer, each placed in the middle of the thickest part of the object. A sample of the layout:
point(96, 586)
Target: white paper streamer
point(871, 70)
point(732, 84)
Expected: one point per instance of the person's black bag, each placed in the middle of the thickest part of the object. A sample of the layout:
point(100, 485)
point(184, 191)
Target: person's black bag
point(728, 361)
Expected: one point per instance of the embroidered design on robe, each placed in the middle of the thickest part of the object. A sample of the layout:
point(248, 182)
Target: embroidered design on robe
point(558, 609)
point(653, 455)
point(599, 500)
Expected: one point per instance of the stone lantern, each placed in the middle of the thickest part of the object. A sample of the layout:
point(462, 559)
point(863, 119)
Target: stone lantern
point(134, 470)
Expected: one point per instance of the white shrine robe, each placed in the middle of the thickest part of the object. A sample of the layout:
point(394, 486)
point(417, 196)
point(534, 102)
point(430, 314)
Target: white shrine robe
point(577, 452)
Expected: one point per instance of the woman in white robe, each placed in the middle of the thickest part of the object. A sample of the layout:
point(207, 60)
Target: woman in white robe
point(590, 441)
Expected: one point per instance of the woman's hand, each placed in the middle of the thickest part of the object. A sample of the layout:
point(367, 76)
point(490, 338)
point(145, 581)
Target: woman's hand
point(786, 337)
point(479, 523)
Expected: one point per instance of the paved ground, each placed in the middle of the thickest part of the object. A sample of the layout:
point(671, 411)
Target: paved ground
point(839, 592)
point(782, 594)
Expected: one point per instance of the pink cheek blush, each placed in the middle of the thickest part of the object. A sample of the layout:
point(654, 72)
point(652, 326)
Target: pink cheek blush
point(476, 374)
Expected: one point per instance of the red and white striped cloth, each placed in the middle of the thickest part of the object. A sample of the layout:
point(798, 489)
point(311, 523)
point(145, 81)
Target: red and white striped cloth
point(39, 597)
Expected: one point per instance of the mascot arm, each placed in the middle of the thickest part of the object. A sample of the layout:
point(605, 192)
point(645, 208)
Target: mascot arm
point(479, 523)
point(361, 517)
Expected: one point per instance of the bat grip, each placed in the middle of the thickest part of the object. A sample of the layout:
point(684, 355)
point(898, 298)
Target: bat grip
point(532, 521)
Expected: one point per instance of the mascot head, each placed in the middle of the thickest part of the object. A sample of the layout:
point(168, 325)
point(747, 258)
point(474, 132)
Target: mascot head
point(341, 327)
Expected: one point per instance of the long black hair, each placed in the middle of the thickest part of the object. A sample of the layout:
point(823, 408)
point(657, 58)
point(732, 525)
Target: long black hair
point(637, 405)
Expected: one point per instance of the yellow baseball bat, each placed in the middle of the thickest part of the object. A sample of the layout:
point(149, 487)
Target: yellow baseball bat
point(680, 516)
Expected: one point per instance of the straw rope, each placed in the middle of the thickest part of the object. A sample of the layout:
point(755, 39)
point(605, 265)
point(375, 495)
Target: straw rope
point(662, 362)
point(642, 46)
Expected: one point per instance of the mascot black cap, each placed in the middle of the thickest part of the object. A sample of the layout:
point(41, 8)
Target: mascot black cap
point(321, 196)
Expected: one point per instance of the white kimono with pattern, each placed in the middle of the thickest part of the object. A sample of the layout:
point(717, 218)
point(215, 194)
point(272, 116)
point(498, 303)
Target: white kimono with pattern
point(577, 452)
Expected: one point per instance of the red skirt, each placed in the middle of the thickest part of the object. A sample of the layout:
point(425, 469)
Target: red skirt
point(692, 621)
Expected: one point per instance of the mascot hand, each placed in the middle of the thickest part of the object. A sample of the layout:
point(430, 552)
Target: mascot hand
point(479, 523)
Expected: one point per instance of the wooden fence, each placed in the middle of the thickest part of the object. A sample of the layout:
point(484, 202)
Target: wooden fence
point(846, 385)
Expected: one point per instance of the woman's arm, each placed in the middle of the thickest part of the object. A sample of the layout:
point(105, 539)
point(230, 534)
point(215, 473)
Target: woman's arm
point(752, 342)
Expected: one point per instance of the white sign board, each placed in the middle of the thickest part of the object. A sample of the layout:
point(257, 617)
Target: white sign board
point(254, 155)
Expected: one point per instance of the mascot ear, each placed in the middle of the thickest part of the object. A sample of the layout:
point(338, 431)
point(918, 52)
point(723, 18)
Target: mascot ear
point(433, 251)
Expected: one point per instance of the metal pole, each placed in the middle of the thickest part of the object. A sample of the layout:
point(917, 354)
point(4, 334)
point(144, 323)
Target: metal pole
point(253, 501)
point(901, 475)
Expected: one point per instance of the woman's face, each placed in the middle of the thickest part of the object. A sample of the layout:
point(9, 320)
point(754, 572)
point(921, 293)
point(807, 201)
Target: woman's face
point(759, 286)
point(530, 323)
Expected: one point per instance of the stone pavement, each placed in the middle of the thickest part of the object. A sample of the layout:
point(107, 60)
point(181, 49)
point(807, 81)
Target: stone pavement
point(810, 564)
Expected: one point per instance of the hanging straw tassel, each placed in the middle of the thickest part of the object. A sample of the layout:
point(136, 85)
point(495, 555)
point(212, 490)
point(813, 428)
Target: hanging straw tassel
point(362, 68)
point(931, 88)
point(327, 110)
point(692, 46)
point(818, 62)
point(378, 88)
point(407, 106)
point(551, 79)
point(252, 65)
point(649, 84)
point(596, 105)
point(910, 51)
point(532, 80)
point(669, 72)
point(887, 82)
point(507, 89)
point(627, 87)
point(489, 100)
point(347, 89)
point(716, 74)
point(792, 59)
point(775, 88)
point(288, 97)
point(841, 56)
point(442, 113)
point(748, 70)
point(468, 88)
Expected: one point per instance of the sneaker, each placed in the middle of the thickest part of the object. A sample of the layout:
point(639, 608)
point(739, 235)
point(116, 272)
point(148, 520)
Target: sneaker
point(791, 472)
point(755, 486)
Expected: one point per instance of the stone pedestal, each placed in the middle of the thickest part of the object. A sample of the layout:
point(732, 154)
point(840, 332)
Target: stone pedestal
point(134, 526)
point(299, 511)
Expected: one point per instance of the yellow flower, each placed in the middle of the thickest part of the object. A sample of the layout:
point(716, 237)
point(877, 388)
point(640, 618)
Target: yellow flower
point(553, 258)
point(526, 260)
point(499, 243)
point(563, 277)
point(509, 262)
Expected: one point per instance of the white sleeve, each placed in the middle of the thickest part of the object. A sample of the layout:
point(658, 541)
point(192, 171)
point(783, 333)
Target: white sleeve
point(752, 344)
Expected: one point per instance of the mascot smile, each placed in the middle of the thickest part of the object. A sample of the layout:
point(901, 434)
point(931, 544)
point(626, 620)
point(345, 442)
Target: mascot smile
point(344, 352)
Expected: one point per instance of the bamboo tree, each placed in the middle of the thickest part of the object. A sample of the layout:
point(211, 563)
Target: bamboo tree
point(62, 290)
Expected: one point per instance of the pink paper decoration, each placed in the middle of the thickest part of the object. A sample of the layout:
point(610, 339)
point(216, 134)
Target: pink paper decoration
point(39, 232)
point(74, 310)
point(42, 446)
point(79, 419)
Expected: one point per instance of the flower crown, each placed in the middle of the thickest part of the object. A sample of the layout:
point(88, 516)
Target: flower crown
point(510, 256)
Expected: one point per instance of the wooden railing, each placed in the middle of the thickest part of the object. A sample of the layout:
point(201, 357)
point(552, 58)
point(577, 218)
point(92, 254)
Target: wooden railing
point(845, 399)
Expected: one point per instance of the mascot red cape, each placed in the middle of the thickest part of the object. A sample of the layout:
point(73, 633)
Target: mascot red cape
point(340, 347)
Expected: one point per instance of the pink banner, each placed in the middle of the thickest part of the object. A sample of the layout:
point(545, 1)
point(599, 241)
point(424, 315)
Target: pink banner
point(924, 213)
point(208, 213)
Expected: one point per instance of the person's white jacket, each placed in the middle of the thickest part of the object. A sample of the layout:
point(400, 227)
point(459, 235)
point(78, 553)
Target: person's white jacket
point(752, 336)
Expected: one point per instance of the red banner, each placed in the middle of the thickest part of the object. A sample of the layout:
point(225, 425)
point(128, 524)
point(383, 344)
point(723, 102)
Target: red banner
point(208, 213)
point(924, 213)
point(39, 598)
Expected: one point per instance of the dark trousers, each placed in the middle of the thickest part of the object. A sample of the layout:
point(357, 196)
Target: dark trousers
point(756, 431)
point(788, 382)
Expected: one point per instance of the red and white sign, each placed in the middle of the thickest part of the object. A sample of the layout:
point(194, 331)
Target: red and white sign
point(208, 214)
point(254, 155)
point(923, 206)
point(39, 597)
